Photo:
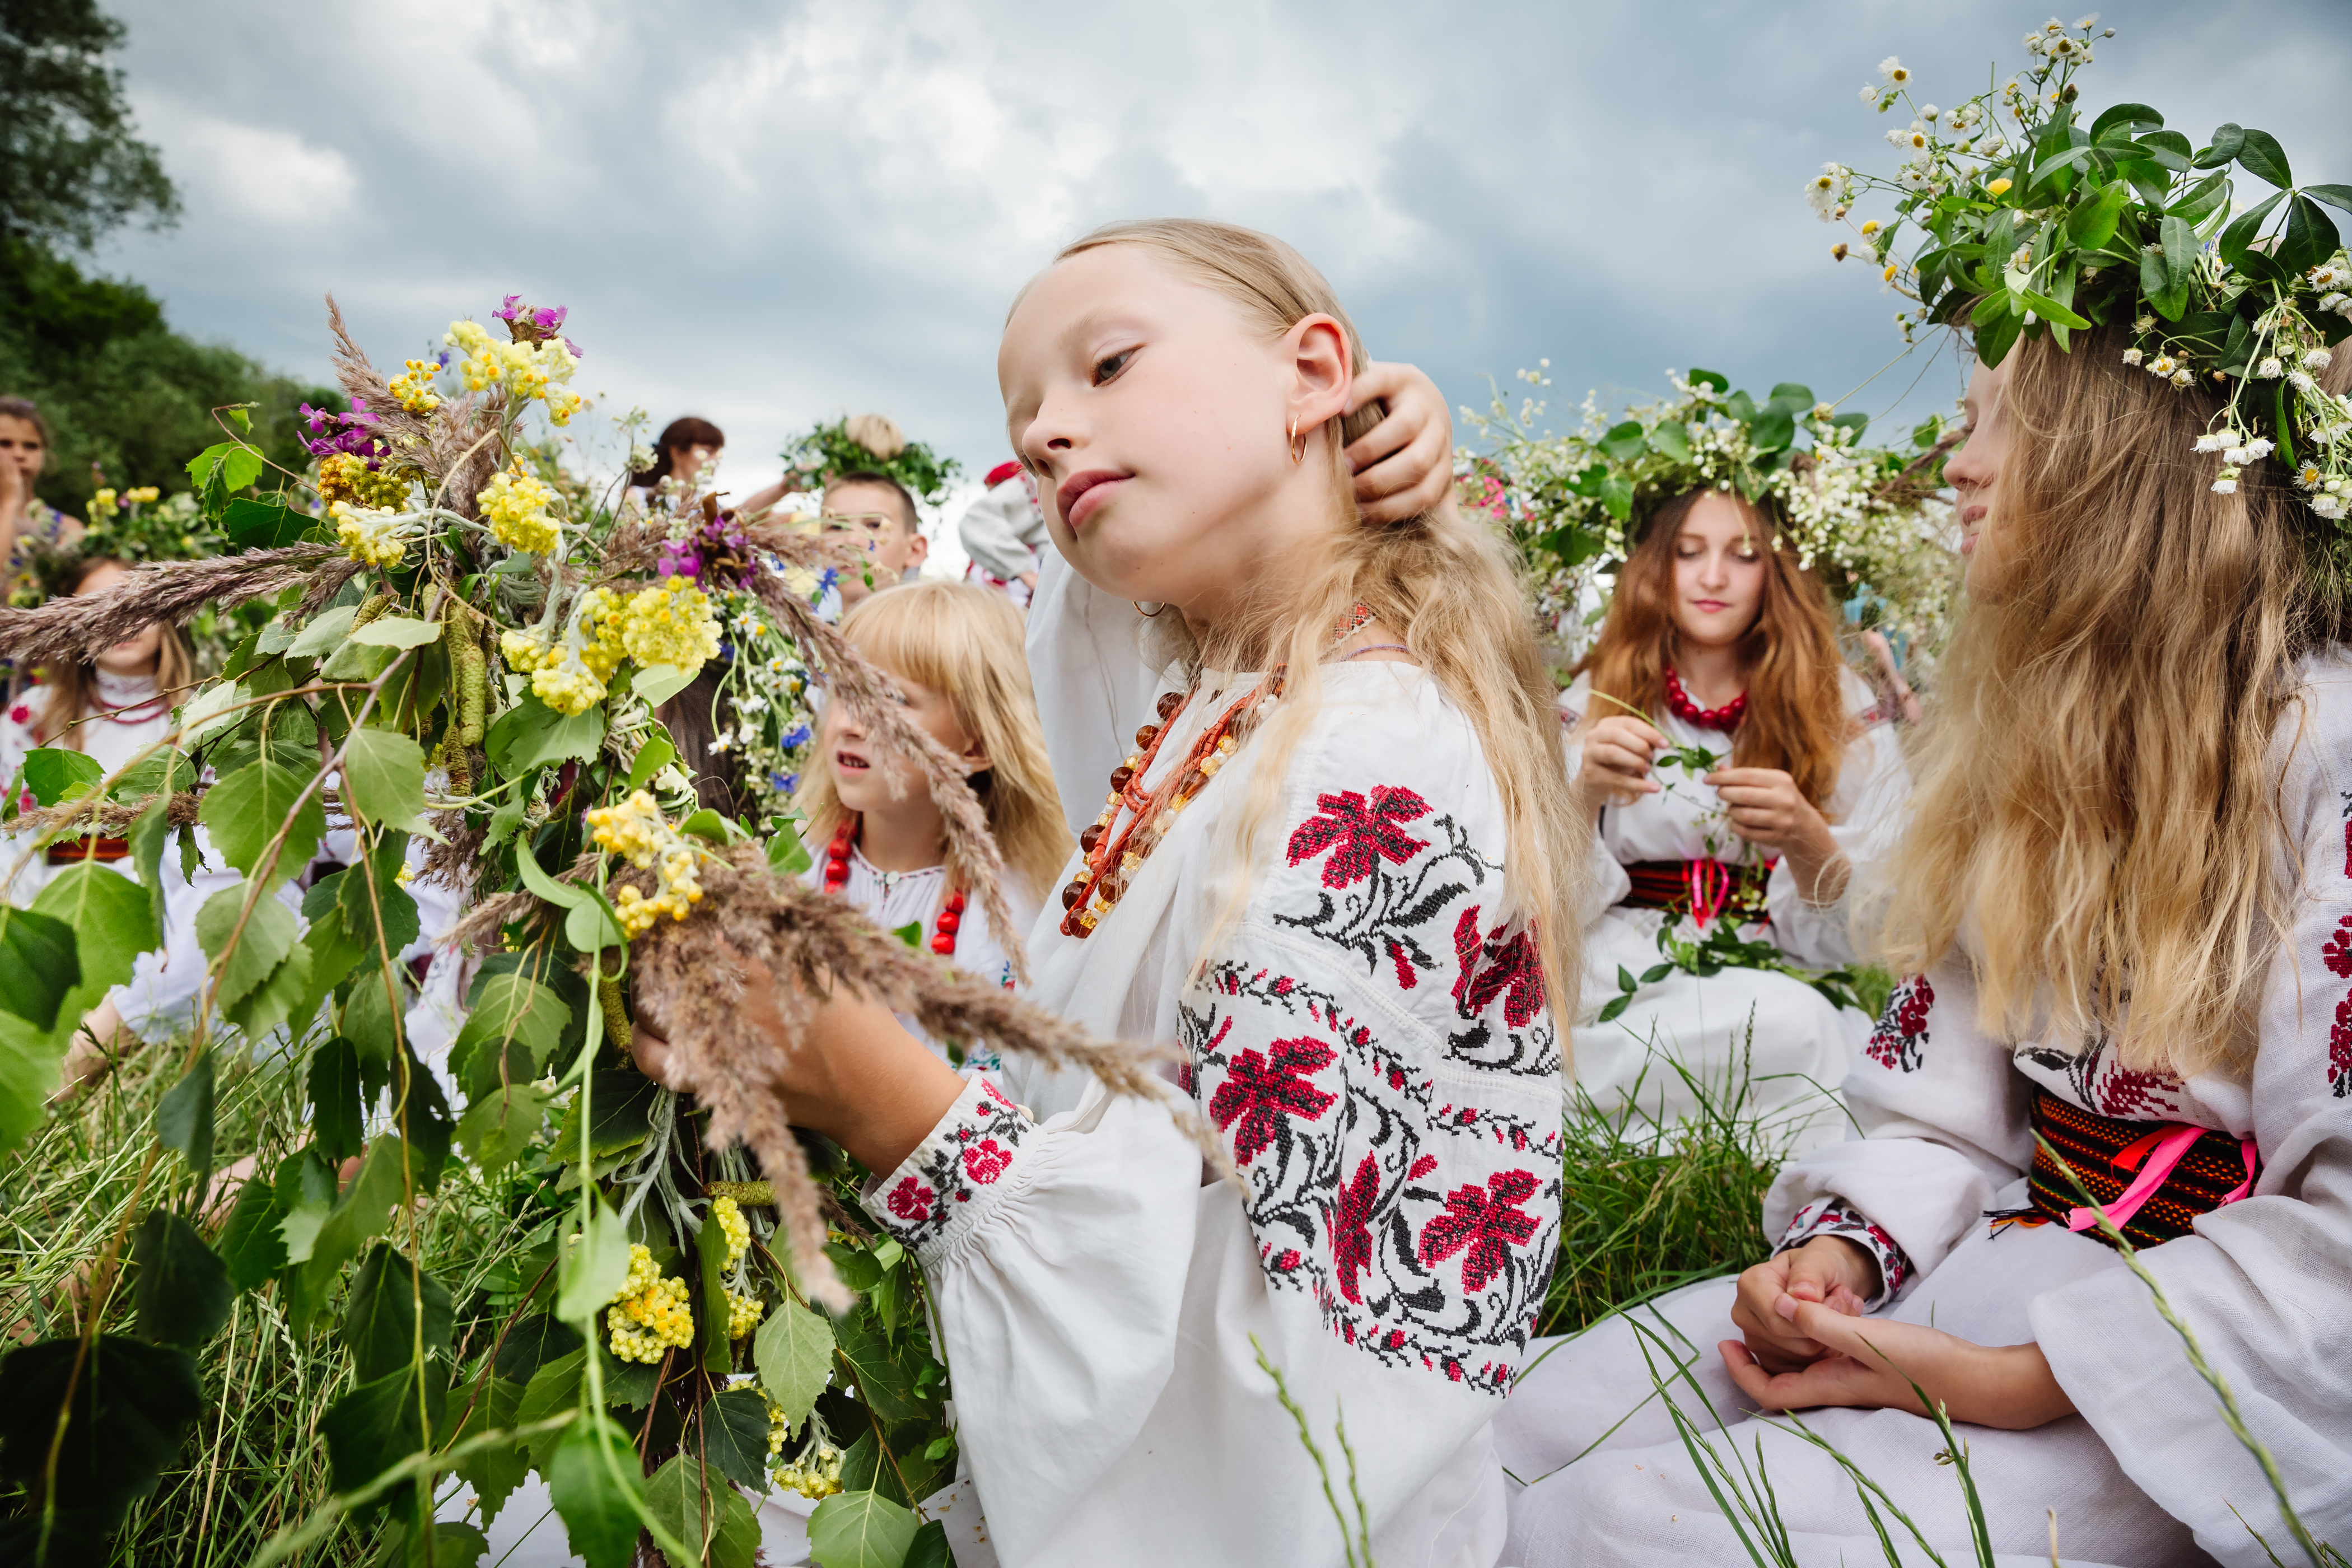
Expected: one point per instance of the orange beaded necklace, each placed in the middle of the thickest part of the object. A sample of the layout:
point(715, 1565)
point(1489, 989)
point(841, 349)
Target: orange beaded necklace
point(1111, 861)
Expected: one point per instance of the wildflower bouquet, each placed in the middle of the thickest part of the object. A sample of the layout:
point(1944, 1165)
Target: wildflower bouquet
point(1864, 518)
point(459, 677)
point(2027, 219)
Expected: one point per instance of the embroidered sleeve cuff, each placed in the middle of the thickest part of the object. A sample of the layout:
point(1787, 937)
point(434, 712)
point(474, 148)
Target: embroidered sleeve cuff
point(1834, 1216)
point(941, 1189)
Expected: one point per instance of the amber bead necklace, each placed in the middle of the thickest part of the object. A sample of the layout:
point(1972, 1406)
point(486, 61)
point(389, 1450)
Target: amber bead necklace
point(1111, 860)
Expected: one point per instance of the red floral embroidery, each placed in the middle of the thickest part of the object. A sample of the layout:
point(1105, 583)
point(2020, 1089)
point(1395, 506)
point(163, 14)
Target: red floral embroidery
point(2339, 1050)
point(2336, 951)
point(1365, 833)
point(1351, 1225)
point(2126, 1093)
point(1484, 1224)
point(910, 1200)
point(986, 1161)
point(1258, 1090)
point(21, 714)
point(1514, 970)
point(1902, 1030)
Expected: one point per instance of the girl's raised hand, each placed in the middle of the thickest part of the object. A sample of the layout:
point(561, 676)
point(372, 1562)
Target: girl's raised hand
point(1617, 754)
point(1871, 1364)
point(1404, 464)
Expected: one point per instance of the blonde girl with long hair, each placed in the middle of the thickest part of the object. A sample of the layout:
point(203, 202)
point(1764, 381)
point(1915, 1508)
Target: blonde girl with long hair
point(1717, 641)
point(874, 833)
point(1326, 872)
point(2120, 903)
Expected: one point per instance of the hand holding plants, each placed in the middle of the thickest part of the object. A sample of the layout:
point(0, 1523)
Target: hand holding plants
point(1767, 809)
point(854, 1075)
point(1617, 754)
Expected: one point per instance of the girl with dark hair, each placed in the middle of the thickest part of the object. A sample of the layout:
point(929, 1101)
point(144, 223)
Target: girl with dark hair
point(1718, 639)
point(686, 446)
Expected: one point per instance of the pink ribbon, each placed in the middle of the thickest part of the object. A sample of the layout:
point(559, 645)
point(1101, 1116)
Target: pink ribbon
point(2154, 1156)
point(1710, 890)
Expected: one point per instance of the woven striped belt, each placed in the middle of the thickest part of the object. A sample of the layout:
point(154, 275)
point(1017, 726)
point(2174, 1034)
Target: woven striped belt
point(73, 851)
point(2152, 1179)
point(1702, 889)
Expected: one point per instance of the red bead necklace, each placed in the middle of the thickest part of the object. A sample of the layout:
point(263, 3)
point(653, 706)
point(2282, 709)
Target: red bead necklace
point(837, 879)
point(1678, 702)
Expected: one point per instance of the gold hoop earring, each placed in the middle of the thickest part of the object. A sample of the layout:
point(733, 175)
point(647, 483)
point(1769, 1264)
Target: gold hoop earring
point(1298, 442)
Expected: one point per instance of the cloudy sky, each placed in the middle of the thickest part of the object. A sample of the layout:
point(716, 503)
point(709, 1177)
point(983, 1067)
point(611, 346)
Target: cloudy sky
point(770, 214)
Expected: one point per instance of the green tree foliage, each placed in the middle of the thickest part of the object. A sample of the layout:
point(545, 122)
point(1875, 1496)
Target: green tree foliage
point(120, 388)
point(70, 168)
point(123, 394)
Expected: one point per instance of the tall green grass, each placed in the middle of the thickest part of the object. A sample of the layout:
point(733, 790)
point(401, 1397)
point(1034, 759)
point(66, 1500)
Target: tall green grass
point(255, 1463)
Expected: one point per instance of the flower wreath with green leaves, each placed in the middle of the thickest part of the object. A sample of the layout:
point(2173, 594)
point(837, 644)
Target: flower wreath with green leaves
point(2027, 220)
point(830, 450)
point(1864, 518)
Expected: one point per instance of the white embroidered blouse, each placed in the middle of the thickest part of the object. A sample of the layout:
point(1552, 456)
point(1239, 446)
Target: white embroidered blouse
point(1368, 1043)
point(2263, 1281)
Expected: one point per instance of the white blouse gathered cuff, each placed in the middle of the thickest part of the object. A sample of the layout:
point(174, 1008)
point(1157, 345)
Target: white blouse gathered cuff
point(956, 1175)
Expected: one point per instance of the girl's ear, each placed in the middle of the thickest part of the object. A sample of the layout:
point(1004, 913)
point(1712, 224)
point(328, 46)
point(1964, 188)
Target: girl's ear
point(976, 756)
point(1324, 375)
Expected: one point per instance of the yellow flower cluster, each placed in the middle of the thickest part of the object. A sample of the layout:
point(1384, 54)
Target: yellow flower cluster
point(526, 371)
point(650, 1314)
point(636, 830)
point(817, 1475)
point(516, 504)
point(369, 535)
point(778, 1428)
point(743, 1315)
point(343, 476)
point(671, 624)
point(734, 1226)
point(525, 653)
point(104, 504)
point(568, 687)
point(601, 614)
point(413, 386)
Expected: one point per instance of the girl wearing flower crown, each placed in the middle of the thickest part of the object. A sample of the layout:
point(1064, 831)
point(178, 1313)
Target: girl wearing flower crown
point(954, 653)
point(1326, 873)
point(1718, 645)
point(2128, 1021)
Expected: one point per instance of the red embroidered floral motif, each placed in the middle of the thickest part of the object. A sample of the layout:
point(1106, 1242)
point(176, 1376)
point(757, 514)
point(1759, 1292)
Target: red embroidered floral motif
point(1351, 1225)
point(20, 714)
point(2339, 1050)
point(1257, 1091)
point(1365, 833)
point(1514, 972)
point(1484, 1224)
point(986, 1161)
point(910, 1200)
point(2336, 951)
point(1902, 1030)
point(2123, 1091)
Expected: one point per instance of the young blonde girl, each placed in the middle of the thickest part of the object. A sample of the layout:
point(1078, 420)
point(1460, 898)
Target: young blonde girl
point(2120, 901)
point(873, 830)
point(1328, 876)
